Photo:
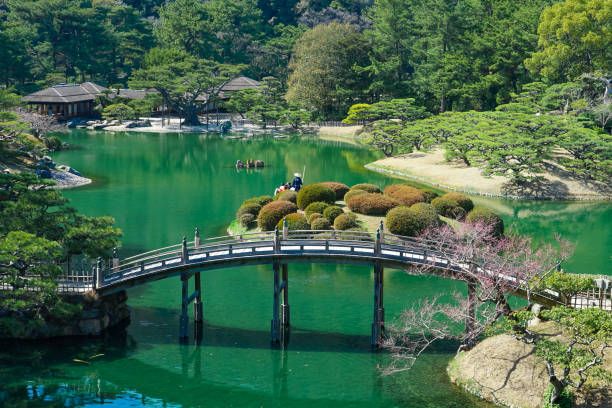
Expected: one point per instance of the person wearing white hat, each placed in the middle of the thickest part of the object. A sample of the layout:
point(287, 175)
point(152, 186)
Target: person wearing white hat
point(297, 182)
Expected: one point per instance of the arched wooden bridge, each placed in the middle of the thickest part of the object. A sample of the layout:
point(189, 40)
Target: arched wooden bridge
point(279, 248)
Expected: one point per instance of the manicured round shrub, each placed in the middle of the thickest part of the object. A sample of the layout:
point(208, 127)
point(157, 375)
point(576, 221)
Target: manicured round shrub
point(370, 188)
point(406, 195)
point(295, 221)
point(273, 212)
point(320, 224)
point(315, 192)
point(371, 204)
point(447, 207)
point(339, 188)
point(409, 221)
point(429, 194)
point(462, 200)
point(314, 216)
point(316, 207)
point(344, 222)
point(486, 216)
point(262, 200)
point(246, 220)
point(287, 195)
point(353, 193)
point(249, 208)
point(332, 212)
point(427, 212)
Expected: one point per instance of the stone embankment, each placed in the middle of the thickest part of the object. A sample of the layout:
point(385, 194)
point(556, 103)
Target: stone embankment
point(97, 315)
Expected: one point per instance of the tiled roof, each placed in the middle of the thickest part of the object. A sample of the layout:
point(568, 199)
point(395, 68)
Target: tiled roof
point(236, 84)
point(86, 91)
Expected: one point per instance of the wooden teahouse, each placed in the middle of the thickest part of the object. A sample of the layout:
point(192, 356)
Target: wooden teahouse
point(66, 101)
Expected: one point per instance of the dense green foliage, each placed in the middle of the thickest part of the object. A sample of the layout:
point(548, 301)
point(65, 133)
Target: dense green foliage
point(261, 200)
point(273, 212)
point(320, 223)
point(315, 192)
point(316, 207)
point(462, 200)
point(287, 195)
point(370, 188)
point(448, 207)
point(332, 212)
point(344, 222)
point(405, 194)
point(410, 221)
point(294, 221)
point(248, 208)
point(352, 193)
point(486, 216)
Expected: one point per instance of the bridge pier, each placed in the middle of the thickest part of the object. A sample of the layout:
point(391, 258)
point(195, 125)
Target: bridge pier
point(275, 323)
point(285, 305)
point(183, 322)
point(378, 324)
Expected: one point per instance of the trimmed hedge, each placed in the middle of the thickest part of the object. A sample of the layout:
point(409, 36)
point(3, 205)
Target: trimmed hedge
point(314, 216)
point(353, 193)
point(429, 194)
point(295, 221)
point(427, 212)
point(287, 195)
point(320, 224)
point(486, 216)
point(248, 208)
point(410, 221)
point(315, 192)
point(344, 222)
point(262, 200)
point(316, 207)
point(462, 200)
point(371, 204)
point(447, 207)
point(246, 220)
point(273, 212)
point(339, 188)
point(369, 188)
point(406, 195)
point(332, 212)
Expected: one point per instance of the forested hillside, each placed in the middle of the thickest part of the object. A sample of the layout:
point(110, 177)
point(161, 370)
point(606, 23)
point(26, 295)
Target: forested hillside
point(460, 55)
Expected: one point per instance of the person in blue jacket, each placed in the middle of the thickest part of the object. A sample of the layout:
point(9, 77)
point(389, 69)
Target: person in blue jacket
point(297, 182)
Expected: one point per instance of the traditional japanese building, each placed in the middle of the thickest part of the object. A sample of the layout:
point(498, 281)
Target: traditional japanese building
point(66, 101)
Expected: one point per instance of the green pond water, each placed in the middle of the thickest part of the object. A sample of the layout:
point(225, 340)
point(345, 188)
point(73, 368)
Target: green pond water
point(159, 187)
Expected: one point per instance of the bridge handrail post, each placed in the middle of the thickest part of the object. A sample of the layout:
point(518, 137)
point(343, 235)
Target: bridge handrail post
point(115, 258)
point(276, 241)
point(196, 240)
point(285, 228)
point(99, 273)
point(184, 252)
point(377, 243)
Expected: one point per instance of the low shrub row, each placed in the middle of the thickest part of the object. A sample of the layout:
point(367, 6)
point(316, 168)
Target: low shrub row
point(371, 204)
point(405, 194)
point(273, 212)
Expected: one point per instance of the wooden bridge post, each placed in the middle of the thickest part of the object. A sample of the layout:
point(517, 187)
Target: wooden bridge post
point(275, 323)
point(115, 258)
point(276, 241)
point(198, 316)
point(285, 228)
point(184, 254)
point(184, 323)
point(99, 273)
point(285, 305)
point(379, 310)
point(196, 239)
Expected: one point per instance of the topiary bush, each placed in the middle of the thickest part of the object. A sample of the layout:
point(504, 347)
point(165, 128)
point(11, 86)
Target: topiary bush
point(344, 222)
point(246, 220)
point(249, 208)
point(486, 216)
point(429, 194)
point(320, 224)
point(332, 212)
point(406, 195)
point(369, 188)
point(353, 193)
point(262, 200)
point(273, 212)
point(316, 207)
point(315, 192)
point(410, 221)
point(314, 216)
point(462, 200)
point(295, 221)
point(372, 204)
point(339, 188)
point(287, 195)
point(447, 207)
point(427, 212)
